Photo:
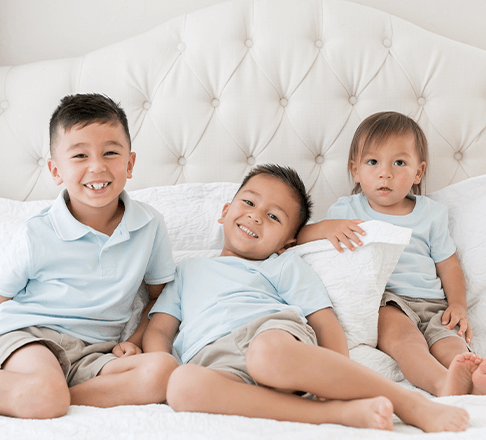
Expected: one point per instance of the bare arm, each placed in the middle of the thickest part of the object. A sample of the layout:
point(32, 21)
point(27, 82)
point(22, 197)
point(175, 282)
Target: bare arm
point(454, 285)
point(3, 299)
point(133, 345)
point(328, 330)
point(336, 231)
point(160, 333)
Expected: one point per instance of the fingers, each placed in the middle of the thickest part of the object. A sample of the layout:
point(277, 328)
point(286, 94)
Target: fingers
point(469, 334)
point(117, 351)
point(446, 317)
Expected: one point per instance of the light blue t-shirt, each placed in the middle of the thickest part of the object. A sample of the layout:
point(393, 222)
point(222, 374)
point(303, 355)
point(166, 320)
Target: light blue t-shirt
point(213, 296)
point(66, 276)
point(415, 273)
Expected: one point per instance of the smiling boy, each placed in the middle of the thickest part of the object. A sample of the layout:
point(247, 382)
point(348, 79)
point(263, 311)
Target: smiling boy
point(256, 327)
point(70, 276)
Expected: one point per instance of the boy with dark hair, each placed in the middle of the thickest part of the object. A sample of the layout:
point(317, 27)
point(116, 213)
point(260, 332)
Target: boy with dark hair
point(257, 315)
point(69, 279)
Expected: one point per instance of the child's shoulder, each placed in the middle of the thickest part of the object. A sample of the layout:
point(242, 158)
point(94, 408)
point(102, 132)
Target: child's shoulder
point(432, 206)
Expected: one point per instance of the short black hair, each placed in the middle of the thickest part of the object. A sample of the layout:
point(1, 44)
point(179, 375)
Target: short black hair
point(292, 179)
point(84, 109)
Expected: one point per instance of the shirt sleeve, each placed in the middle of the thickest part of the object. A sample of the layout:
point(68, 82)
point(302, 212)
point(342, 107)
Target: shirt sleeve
point(300, 286)
point(169, 301)
point(15, 265)
point(441, 244)
point(340, 210)
point(161, 267)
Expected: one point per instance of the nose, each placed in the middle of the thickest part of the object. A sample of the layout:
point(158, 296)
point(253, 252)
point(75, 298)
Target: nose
point(385, 172)
point(255, 216)
point(97, 165)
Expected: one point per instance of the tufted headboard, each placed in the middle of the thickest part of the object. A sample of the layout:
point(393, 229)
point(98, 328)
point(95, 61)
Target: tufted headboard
point(243, 82)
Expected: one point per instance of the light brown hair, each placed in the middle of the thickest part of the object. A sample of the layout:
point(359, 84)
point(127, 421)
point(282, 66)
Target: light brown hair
point(376, 129)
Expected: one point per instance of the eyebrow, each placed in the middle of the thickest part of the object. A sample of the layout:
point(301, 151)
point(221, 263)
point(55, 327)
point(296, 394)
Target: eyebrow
point(272, 205)
point(82, 144)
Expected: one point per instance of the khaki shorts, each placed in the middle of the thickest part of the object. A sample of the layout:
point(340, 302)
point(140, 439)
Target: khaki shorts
point(229, 352)
point(79, 361)
point(426, 314)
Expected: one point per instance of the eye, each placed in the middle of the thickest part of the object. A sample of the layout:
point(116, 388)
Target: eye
point(80, 156)
point(249, 202)
point(399, 163)
point(274, 217)
point(111, 153)
point(372, 162)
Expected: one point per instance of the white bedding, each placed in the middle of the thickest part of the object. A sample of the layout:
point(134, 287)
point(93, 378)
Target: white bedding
point(191, 212)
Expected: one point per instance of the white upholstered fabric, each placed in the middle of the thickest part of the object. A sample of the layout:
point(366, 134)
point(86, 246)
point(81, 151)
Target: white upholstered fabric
point(242, 82)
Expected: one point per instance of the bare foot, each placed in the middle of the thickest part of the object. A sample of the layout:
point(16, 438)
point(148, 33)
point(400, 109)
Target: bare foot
point(459, 378)
point(479, 379)
point(373, 413)
point(432, 416)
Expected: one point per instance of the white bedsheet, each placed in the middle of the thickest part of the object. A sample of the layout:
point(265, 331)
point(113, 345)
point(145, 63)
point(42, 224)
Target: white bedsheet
point(160, 422)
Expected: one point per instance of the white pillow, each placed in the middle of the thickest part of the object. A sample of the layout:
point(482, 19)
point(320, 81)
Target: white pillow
point(191, 212)
point(355, 281)
point(466, 202)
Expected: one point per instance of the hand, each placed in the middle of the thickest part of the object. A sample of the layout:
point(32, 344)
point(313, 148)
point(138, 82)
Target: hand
point(126, 349)
point(456, 314)
point(342, 231)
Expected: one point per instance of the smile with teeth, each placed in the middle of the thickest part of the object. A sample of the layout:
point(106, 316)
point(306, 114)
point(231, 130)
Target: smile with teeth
point(97, 186)
point(248, 231)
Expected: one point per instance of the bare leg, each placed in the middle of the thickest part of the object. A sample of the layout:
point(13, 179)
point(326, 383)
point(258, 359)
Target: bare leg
point(133, 380)
point(402, 340)
point(446, 349)
point(32, 384)
point(198, 389)
point(277, 360)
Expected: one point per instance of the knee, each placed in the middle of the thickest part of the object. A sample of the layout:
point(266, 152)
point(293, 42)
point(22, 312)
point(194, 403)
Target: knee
point(154, 376)
point(42, 397)
point(267, 355)
point(189, 388)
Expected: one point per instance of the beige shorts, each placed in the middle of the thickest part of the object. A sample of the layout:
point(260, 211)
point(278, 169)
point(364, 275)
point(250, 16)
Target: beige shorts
point(229, 352)
point(426, 314)
point(79, 361)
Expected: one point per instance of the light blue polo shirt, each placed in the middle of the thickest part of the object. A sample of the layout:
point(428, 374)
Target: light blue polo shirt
point(213, 296)
point(66, 276)
point(415, 274)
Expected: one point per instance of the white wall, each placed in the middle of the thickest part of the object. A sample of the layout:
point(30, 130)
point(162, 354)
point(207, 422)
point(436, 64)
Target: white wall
point(34, 30)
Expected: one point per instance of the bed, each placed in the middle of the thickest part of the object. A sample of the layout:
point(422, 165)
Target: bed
point(212, 93)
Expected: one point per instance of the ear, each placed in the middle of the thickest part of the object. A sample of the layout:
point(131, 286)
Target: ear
point(353, 168)
point(54, 171)
point(287, 245)
point(420, 173)
point(131, 164)
point(226, 208)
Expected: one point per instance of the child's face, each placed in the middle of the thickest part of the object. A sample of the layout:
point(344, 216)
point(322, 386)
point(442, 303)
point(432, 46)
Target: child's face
point(387, 173)
point(261, 220)
point(94, 163)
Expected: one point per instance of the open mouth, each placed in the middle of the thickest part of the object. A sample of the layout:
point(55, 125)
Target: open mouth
point(97, 186)
point(248, 231)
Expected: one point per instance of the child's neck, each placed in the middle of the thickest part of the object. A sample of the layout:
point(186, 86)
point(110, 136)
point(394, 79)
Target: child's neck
point(404, 208)
point(104, 220)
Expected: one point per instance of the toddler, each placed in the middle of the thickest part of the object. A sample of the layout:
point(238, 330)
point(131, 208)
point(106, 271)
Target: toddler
point(422, 323)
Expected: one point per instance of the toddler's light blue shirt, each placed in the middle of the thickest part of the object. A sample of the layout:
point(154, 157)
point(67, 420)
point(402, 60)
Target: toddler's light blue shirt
point(212, 297)
point(415, 274)
point(66, 276)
